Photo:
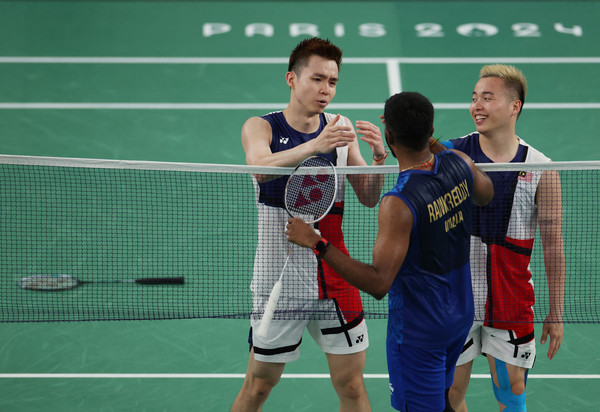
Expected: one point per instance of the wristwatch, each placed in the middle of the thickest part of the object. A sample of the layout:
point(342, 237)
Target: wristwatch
point(320, 247)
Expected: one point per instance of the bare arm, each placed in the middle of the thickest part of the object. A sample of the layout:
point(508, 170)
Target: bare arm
point(256, 141)
point(257, 135)
point(367, 187)
point(483, 188)
point(549, 202)
point(389, 252)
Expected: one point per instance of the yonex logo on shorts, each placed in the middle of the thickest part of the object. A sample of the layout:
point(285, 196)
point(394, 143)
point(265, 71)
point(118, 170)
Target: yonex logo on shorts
point(360, 338)
point(284, 140)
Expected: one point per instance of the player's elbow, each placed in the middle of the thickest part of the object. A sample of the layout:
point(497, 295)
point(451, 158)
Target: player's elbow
point(484, 196)
point(485, 190)
point(370, 203)
point(368, 200)
point(264, 178)
point(378, 284)
point(378, 295)
point(379, 292)
point(482, 200)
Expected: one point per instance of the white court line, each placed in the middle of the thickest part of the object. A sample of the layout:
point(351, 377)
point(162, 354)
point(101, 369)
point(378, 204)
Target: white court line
point(392, 68)
point(238, 376)
point(258, 106)
point(394, 78)
point(284, 60)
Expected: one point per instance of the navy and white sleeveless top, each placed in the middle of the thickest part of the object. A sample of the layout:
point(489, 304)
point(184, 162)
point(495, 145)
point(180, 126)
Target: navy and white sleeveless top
point(306, 276)
point(502, 240)
point(285, 138)
point(431, 300)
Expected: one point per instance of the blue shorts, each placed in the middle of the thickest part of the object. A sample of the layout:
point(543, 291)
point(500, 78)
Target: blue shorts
point(419, 377)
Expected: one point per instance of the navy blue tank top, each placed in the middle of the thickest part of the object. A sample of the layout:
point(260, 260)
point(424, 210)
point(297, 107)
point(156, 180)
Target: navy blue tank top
point(431, 299)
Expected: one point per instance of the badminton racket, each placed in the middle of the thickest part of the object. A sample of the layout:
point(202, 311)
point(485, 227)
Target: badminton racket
point(63, 282)
point(310, 193)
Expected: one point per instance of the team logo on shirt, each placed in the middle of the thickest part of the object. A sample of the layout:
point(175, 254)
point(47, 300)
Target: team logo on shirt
point(526, 176)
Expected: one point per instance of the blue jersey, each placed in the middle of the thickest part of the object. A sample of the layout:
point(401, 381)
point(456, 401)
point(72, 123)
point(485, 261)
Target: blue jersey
point(431, 300)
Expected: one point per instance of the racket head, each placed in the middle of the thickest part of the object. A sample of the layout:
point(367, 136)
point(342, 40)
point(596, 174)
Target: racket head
point(311, 189)
point(48, 282)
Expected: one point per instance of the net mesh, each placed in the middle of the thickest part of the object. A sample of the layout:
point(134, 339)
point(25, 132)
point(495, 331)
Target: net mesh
point(108, 220)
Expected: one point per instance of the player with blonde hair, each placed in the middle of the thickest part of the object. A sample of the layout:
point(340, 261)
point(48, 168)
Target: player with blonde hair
point(502, 241)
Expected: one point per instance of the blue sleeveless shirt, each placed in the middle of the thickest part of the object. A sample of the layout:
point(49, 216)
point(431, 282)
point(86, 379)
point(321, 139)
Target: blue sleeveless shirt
point(431, 299)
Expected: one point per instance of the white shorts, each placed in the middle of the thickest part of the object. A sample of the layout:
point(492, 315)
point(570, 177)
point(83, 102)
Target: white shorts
point(333, 334)
point(499, 343)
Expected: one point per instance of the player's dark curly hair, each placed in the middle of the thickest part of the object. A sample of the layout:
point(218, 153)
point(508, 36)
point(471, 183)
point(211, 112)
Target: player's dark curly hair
point(409, 120)
point(313, 46)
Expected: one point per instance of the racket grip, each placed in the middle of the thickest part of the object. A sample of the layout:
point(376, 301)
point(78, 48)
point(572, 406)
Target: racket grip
point(161, 281)
point(269, 310)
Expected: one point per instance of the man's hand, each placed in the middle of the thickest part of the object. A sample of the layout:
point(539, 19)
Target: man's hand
point(556, 332)
point(371, 136)
point(333, 136)
point(301, 233)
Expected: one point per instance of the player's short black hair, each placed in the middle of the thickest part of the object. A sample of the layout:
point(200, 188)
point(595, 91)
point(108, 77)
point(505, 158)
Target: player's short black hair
point(310, 47)
point(409, 119)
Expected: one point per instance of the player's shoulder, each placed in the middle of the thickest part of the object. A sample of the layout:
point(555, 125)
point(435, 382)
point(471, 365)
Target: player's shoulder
point(265, 119)
point(268, 117)
point(534, 155)
point(256, 125)
point(256, 121)
point(394, 205)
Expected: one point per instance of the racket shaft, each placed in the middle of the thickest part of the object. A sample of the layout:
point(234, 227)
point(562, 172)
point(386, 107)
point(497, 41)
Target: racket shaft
point(269, 310)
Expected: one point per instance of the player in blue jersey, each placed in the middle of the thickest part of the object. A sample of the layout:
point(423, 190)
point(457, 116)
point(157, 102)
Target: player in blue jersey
point(420, 257)
point(284, 139)
point(502, 242)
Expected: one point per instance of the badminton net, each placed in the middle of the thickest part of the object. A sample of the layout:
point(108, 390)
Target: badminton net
point(107, 223)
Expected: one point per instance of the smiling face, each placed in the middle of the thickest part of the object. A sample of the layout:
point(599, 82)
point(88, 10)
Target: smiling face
point(314, 86)
point(494, 108)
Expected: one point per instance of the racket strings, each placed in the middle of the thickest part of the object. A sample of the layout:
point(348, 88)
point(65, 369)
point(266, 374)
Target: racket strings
point(311, 189)
point(48, 282)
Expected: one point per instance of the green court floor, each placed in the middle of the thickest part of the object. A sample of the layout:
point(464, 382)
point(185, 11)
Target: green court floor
point(175, 80)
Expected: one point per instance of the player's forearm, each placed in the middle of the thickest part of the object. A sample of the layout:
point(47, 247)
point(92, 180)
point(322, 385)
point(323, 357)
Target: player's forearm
point(556, 289)
point(556, 276)
point(358, 274)
point(286, 158)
